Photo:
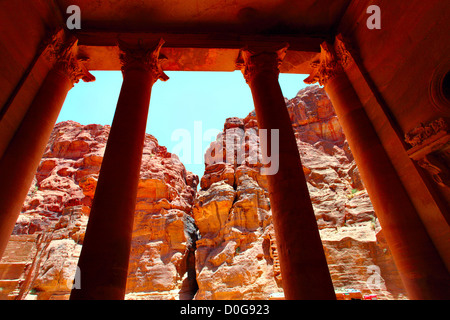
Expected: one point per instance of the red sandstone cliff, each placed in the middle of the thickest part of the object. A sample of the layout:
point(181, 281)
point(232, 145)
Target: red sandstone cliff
point(236, 255)
point(42, 255)
point(221, 238)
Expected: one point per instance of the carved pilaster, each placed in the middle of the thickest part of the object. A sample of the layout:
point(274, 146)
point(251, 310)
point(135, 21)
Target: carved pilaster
point(256, 61)
point(143, 57)
point(61, 50)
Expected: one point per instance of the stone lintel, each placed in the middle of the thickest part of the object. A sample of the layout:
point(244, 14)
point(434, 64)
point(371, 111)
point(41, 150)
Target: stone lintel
point(198, 52)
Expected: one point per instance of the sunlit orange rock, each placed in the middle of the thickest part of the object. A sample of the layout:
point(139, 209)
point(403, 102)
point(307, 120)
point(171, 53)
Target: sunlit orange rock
point(57, 211)
point(236, 256)
point(217, 243)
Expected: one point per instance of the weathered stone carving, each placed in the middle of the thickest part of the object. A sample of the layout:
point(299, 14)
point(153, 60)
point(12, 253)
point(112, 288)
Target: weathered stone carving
point(332, 61)
point(61, 49)
point(142, 56)
point(420, 134)
point(437, 168)
point(326, 68)
point(430, 149)
point(343, 51)
point(254, 61)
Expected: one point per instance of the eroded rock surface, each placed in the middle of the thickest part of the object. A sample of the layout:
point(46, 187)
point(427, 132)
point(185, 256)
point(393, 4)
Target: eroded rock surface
point(56, 212)
point(236, 255)
point(217, 243)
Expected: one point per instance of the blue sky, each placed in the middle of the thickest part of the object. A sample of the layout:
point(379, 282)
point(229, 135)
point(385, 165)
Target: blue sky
point(188, 99)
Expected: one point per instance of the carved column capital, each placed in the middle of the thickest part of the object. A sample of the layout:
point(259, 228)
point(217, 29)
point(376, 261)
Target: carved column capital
point(344, 51)
point(143, 57)
point(332, 61)
point(61, 50)
point(253, 61)
point(326, 67)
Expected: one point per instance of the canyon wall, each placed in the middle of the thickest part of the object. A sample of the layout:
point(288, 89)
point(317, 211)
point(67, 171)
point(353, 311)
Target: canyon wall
point(217, 243)
point(41, 258)
point(236, 255)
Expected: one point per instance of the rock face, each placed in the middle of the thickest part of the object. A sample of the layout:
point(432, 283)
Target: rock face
point(313, 116)
point(56, 211)
point(217, 243)
point(236, 255)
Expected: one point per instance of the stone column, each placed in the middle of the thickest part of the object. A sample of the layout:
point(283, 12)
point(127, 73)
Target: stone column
point(103, 262)
point(304, 269)
point(418, 262)
point(23, 155)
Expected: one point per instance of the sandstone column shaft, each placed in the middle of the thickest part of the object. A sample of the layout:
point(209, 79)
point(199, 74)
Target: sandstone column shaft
point(420, 266)
point(304, 268)
point(103, 262)
point(23, 155)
